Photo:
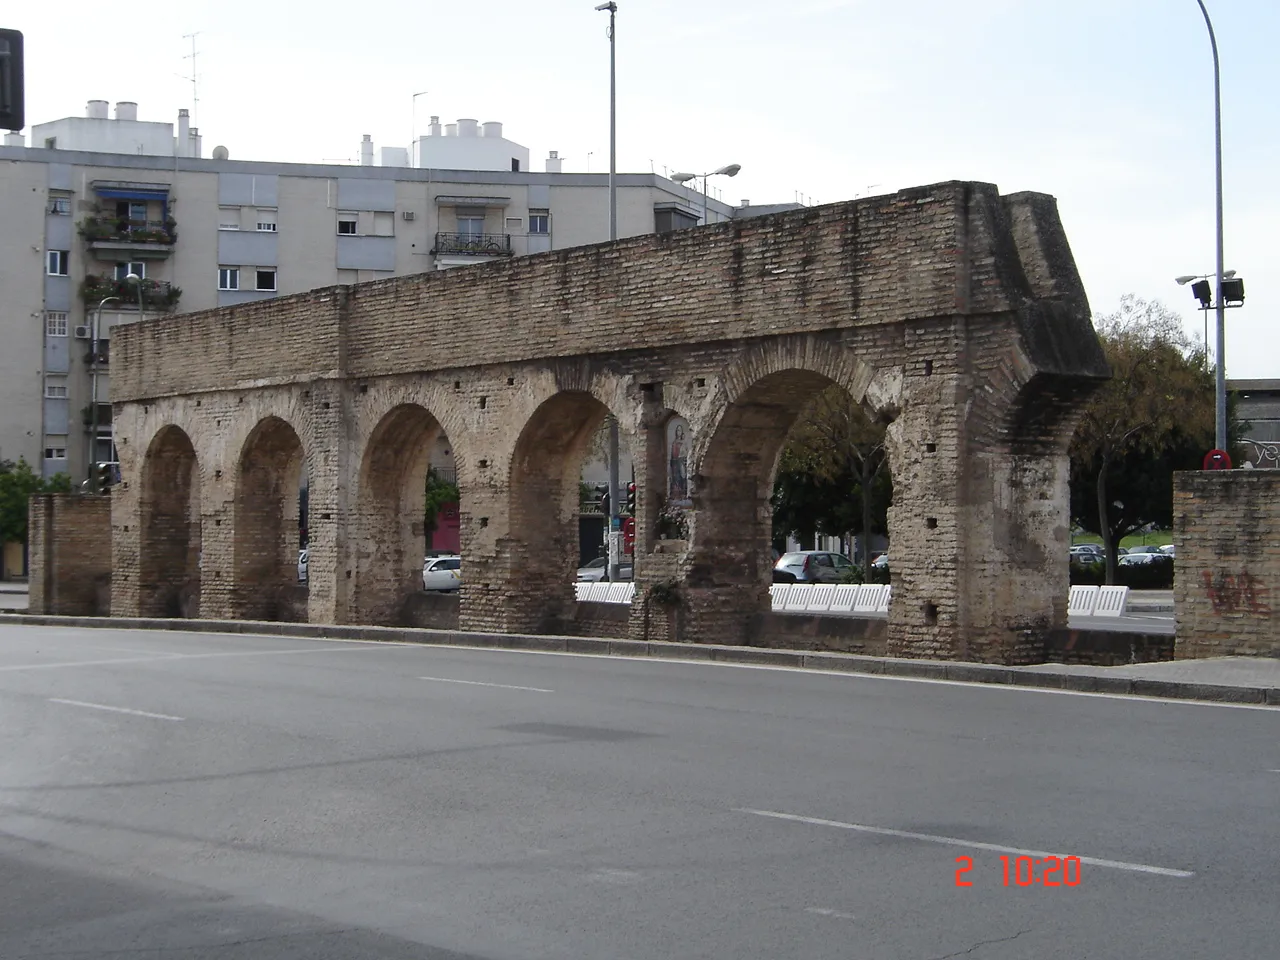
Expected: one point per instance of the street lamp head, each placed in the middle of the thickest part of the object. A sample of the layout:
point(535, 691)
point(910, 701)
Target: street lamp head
point(611, 7)
point(133, 278)
point(729, 171)
point(1181, 281)
point(684, 177)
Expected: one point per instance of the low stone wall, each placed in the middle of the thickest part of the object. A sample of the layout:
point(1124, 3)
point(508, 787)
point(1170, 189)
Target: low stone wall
point(608, 621)
point(69, 552)
point(1107, 648)
point(1226, 531)
point(786, 631)
point(430, 610)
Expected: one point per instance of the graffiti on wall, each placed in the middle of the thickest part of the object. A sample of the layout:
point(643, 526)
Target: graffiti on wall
point(1237, 593)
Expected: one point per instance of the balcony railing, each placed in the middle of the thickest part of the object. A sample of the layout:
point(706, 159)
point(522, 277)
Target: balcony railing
point(472, 244)
point(157, 295)
point(106, 229)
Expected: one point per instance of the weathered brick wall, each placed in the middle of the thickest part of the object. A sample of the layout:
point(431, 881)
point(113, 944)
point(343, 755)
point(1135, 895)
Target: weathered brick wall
point(1226, 587)
point(70, 554)
point(950, 312)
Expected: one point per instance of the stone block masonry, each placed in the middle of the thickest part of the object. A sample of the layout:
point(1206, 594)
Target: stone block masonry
point(69, 550)
point(950, 312)
point(1226, 588)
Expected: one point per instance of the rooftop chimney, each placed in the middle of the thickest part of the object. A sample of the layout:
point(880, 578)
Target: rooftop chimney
point(184, 133)
point(14, 140)
point(450, 129)
point(366, 151)
point(96, 110)
point(126, 110)
point(493, 129)
point(434, 129)
point(468, 128)
point(553, 162)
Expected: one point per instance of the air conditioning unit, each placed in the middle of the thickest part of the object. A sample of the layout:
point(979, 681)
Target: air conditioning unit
point(84, 333)
point(408, 215)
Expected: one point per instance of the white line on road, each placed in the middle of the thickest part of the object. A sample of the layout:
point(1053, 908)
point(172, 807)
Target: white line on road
point(172, 657)
point(828, 912)
point(102, 706)
point(477, 683)
point(970, 844)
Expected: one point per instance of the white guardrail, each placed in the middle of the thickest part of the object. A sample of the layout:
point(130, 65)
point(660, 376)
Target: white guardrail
point(860, 599)
point(845, 599)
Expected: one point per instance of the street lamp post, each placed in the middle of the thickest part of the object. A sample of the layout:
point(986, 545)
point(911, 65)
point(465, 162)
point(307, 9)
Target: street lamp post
point(93, 391)
point(731, 170)
point(614, 515)
point(1220, 384)
point(1200, 288)
point(413, 130)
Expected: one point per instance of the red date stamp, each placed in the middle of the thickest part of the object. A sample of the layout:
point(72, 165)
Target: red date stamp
point(1029, 871)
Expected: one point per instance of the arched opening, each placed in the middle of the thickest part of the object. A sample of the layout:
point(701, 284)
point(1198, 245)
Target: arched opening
point(547, 502)
point(408, 523)
point(170, 556)
point(596, 509)
point(800, 420)
point(269, 525)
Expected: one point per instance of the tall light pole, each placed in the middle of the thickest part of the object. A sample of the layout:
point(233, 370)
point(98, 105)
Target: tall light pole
point(413, 130)
point(1220, 385)
point(93, 392)
point(615, 522)
point(730, 170)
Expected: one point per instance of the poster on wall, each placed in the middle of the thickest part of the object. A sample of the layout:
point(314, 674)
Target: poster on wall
point(678, 460)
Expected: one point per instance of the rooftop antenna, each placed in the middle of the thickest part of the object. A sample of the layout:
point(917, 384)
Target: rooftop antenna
point(195, 90)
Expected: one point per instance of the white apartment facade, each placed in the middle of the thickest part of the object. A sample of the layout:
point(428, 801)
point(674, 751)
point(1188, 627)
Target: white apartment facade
point(96, 200)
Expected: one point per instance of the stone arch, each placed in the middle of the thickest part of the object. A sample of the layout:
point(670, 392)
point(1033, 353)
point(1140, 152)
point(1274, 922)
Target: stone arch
point(266, 530)
point(541, 548)
point(170, 536)
point(728, 566)
point(391, 539)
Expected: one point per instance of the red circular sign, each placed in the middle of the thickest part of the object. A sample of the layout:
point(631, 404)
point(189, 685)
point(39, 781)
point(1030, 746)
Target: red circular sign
point(1217, 460)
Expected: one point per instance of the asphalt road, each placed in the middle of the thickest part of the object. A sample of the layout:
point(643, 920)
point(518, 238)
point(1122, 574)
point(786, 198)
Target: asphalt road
point(212, 796)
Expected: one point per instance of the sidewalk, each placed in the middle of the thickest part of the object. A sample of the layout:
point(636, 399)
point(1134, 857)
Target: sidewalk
point(1150, 601)
point(13, 586)
point(1224, 679)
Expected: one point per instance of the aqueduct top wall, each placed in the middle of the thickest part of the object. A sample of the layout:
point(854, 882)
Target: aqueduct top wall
point(951, 312)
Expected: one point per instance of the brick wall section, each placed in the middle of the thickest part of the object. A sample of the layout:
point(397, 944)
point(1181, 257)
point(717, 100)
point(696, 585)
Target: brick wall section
point(950, 312)
point(70, 554)
point(1226, 588)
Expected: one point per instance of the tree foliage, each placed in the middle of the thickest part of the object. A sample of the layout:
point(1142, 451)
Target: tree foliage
point(1154, 416)
point(831, 475)
point(17, 483)
point(438, 492)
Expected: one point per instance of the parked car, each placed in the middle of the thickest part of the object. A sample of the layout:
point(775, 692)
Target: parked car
point(1167, 549)
point(302, 564)
point(1138, 550)
point(442, 574)
point(1138, 557)
point(1085, 552)
point(815, 566)
point(881, 562)
point(598, 569)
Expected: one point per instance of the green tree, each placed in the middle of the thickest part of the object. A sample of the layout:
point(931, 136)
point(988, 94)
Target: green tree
point(831, 475)
point(438, 492)
point(1154, 416)
point(17, 483)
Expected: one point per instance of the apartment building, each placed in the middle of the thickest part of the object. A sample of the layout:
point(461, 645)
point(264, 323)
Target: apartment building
point(108, 217)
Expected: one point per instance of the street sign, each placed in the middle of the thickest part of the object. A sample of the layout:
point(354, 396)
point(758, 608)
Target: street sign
point(1217, 460)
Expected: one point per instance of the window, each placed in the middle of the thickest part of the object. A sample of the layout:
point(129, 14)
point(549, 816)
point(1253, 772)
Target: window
point(347, 223)
point(539, 221)
point(470, 221)
point(228, 218)
point(60, 206)
point(228, 278)
point(51, 143)
point(266, 221)
point(515, 165)
point(55, 387)
point(266, 280)
point(55, 323)
point(59, 263)
point(56, 449)
point(138, 269)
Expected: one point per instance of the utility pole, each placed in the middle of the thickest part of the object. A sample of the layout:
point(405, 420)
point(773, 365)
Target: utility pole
point(615, 517)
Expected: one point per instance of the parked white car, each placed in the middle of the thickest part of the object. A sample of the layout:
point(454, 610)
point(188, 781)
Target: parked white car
point(302, 564)
point(442, 574)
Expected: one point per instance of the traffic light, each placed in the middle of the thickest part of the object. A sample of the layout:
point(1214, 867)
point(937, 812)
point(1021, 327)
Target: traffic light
point(11, 95)
point(103, 477)
point(631, 499)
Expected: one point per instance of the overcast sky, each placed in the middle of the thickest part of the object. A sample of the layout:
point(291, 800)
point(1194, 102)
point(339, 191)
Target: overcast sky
point(1106, 104)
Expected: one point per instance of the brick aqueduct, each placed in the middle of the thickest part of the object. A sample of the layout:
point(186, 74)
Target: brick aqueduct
point(952, 313)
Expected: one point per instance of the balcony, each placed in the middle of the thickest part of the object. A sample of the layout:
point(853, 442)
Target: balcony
point(121, 238)
point(472, 245)
point(157, 295)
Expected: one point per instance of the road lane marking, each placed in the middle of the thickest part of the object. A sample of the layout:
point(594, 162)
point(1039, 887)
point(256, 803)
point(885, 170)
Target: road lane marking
point(103, 706)
point(970, 844)
point(477, 683)
point(172, 657)
point(828, 912)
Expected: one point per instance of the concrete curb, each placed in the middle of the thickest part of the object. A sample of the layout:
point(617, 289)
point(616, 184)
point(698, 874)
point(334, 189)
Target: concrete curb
point(759, 656)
